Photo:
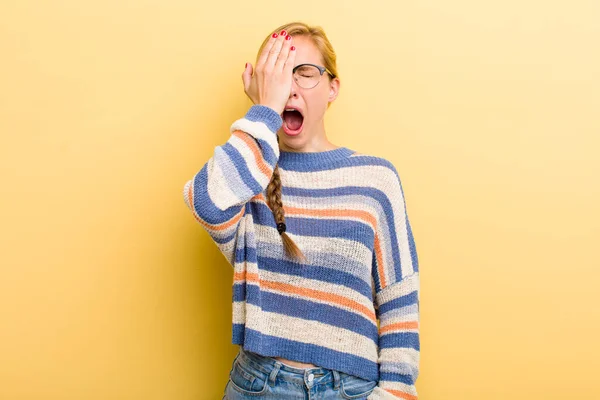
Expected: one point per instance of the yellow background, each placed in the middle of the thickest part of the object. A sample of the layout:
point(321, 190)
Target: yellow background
point(109, 289)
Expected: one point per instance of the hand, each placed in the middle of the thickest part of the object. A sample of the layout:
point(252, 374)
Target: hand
point(271, 83)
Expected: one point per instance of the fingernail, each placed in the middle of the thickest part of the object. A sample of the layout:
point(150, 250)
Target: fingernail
point(275, 35)
point(246, 65)
point(282, 33)
point(293, 48)
point(288, 37)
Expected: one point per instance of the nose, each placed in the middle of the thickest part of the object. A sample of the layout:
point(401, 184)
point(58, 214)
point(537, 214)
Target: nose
point(294, 90)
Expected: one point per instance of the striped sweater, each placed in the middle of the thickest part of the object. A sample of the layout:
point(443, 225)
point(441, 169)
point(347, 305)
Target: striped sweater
point(353, 306)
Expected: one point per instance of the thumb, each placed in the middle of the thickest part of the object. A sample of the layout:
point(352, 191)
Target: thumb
point(247, 75)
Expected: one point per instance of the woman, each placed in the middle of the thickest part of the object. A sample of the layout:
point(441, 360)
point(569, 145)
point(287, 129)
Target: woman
point(318, 237)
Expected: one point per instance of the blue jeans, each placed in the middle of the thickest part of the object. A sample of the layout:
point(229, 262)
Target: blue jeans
point(253, 375)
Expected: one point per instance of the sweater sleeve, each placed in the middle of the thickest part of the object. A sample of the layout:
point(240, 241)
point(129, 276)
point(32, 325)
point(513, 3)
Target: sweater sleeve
point(238, 170)
point(396, 278)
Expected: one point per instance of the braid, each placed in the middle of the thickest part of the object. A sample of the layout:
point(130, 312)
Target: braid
point(274, 202)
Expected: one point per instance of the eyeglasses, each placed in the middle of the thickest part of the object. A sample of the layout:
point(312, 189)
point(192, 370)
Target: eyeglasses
point(307, 76)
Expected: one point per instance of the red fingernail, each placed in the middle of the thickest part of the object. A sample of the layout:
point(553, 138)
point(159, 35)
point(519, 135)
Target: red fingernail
point(275, 35)
point(288, 37)
point(282, 33)
point(292, 48)
point(246, 65)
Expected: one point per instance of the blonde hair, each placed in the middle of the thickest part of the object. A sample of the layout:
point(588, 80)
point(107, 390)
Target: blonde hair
point(318, 37)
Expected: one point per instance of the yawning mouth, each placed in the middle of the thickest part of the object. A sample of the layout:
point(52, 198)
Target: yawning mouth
point(293, 120)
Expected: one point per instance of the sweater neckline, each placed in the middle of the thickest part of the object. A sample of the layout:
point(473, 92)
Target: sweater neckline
point(287, 158)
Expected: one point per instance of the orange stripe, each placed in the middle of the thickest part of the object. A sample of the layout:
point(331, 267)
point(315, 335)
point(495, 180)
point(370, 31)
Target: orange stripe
point(218, 227)
point(364, 215)
point(310, 293)
point(260, 196)
point(402, 395)
point(400, 326)
point(245, 276)
point(379, 257)
point(253, 146)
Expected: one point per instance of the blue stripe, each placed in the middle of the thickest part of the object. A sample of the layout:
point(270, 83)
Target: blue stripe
point(358, 231)
point(222, 239)
point(375, 273)
point(394, 377)
point(245, 254)
point(239, 291)
point(358, 160)
point(306, 309)
point(304, 352)
point(400, 339)
point(406, 300)
point(413, 247)
point(267, 151)
point(316, 272)
point(237, 333)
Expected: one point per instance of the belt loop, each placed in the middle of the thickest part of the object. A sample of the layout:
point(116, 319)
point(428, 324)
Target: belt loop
point(274, 373)
point(336, 379)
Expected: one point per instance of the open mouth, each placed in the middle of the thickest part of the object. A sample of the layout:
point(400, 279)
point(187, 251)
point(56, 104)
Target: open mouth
point(293, 120)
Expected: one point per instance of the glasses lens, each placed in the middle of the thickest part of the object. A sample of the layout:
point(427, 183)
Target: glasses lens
point(307, 76)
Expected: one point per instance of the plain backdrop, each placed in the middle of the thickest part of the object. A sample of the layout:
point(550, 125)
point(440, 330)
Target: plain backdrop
point(109, 289)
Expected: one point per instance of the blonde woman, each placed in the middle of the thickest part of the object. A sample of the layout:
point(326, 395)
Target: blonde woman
point(325, 269)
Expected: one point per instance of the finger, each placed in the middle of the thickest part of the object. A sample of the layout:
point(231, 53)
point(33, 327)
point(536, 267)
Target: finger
point(283, 55)
point(275, 50)
point(247, 75)
point(265, 52)
point(290, 62)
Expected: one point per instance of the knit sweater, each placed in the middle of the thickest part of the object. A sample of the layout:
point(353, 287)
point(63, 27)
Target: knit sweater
point(353, 305)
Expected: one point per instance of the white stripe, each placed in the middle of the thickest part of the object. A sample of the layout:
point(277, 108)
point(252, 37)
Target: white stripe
point(403, 312)
point(399, 368)
point(186, 190)
point(399, 354)
point(399, 289)
point(239, 312)
point(345, 247)
point(259, 130)
point(222, 177)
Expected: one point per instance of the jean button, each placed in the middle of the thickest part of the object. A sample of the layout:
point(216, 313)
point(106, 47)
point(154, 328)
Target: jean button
point(311, 377)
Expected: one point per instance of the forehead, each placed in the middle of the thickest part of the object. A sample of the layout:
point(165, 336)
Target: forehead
point(306, 51)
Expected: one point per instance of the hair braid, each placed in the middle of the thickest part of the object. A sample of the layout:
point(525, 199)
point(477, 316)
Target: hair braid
point(274, 202)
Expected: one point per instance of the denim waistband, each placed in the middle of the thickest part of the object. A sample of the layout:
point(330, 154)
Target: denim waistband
point(271, 367)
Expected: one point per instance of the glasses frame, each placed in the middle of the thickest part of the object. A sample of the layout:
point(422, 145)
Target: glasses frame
point(321, 69)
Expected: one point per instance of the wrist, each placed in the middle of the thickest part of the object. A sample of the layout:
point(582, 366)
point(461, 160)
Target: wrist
point(266, 115)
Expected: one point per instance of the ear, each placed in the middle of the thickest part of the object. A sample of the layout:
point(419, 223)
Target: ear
point(334, 89)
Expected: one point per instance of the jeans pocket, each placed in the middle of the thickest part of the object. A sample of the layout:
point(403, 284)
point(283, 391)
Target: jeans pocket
point(248, 380)
point(353, 387)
